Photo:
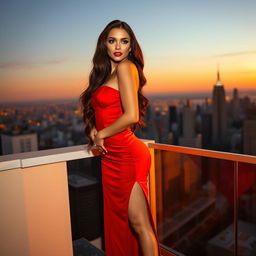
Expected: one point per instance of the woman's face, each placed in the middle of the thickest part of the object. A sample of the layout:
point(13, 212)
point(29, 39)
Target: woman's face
point(118, 44)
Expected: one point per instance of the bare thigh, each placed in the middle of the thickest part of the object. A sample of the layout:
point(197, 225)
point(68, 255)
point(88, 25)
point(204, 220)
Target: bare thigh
point(138, 210)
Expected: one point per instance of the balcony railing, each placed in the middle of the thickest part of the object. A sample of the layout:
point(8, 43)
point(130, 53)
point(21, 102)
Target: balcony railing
point(203, 202)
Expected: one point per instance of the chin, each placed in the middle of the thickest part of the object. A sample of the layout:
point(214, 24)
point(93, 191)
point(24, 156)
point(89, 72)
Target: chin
point(118, 59)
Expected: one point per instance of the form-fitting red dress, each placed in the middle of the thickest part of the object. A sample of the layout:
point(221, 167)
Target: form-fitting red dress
point(127, 161)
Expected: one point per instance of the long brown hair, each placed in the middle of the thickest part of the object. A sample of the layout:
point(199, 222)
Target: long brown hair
point(101, 72)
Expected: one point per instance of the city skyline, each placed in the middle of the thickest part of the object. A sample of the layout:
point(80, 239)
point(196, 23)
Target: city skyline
point(47, 47)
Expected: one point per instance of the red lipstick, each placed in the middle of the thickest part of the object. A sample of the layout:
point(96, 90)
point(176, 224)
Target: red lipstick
point(118, 54)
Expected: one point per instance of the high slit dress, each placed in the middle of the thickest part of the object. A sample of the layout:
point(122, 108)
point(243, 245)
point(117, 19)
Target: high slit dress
point(127, 161)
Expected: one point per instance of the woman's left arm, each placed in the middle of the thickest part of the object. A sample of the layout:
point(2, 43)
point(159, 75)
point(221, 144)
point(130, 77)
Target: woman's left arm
point(128, 81)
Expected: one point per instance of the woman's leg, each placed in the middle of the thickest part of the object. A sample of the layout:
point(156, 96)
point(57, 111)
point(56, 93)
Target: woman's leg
point(139, 219)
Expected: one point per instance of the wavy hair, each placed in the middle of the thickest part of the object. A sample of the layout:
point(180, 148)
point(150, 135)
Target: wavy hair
point(101, 72)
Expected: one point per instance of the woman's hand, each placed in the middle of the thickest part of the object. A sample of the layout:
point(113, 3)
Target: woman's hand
point(93, 133)
point(100, 143)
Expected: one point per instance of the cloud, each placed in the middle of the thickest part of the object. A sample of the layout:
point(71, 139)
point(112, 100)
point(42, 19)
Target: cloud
point(233, 54)
point(29, 65)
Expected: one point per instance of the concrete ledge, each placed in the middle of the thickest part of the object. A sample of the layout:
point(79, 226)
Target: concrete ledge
point(48, 156)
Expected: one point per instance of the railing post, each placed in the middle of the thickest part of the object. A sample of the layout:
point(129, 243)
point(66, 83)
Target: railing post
point(152, 185)
point(235, 206)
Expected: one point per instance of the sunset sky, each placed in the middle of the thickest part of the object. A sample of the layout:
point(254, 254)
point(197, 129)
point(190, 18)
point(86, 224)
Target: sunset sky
point(46, 47)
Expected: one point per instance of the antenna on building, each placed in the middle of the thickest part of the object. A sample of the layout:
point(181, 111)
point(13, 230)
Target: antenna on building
point(218, 76)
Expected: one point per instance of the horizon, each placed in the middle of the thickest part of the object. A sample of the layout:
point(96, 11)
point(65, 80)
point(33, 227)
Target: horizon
point(193, 95)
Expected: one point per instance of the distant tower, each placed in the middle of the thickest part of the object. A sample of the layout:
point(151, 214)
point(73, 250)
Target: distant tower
point(172, 117)
point(173, 131)
point(18, 142)
point(249, 128)
point(206, 124)
point(219, 114)
point(235, 105)
point(189, 137)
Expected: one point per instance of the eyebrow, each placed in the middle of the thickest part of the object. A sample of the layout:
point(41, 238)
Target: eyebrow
point(115, 37)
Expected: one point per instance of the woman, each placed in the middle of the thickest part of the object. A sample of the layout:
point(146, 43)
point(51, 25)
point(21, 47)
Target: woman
point(113, 107)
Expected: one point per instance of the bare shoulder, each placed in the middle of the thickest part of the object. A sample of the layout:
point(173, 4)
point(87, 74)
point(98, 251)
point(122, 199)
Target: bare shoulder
point(126, 66)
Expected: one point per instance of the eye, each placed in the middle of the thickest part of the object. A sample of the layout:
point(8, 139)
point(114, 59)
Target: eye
point(110, 40)
point(126, 41)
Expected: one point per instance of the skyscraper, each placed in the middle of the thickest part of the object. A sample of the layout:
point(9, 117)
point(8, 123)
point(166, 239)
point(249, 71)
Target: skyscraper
point(18, 142)
point(219, 115)
point(235, 105)
point(189, 137)
point(249, 128)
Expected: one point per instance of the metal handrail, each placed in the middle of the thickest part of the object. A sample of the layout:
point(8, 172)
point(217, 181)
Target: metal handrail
point(205, 153)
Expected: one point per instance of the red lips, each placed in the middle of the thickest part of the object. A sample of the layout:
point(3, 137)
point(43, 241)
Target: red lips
point(117, 54)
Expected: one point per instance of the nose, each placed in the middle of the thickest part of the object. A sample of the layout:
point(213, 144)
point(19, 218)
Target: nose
point(118, 45)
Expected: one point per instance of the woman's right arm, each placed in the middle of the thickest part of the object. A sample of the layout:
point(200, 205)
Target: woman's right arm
point(93, 133)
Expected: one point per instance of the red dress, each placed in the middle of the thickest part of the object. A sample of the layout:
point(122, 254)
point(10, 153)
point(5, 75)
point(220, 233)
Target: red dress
point(127, 161)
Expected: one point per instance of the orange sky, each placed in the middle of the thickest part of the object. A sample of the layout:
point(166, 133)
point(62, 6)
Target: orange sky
point(68, 81)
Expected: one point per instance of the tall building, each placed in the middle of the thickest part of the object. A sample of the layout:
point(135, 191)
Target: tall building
point(17, 143)
point(235, 105)
point(249, 134)
point(206, 124)
point(189, 137)
point(173, 132)
point(219, 115)
point(173, 120)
